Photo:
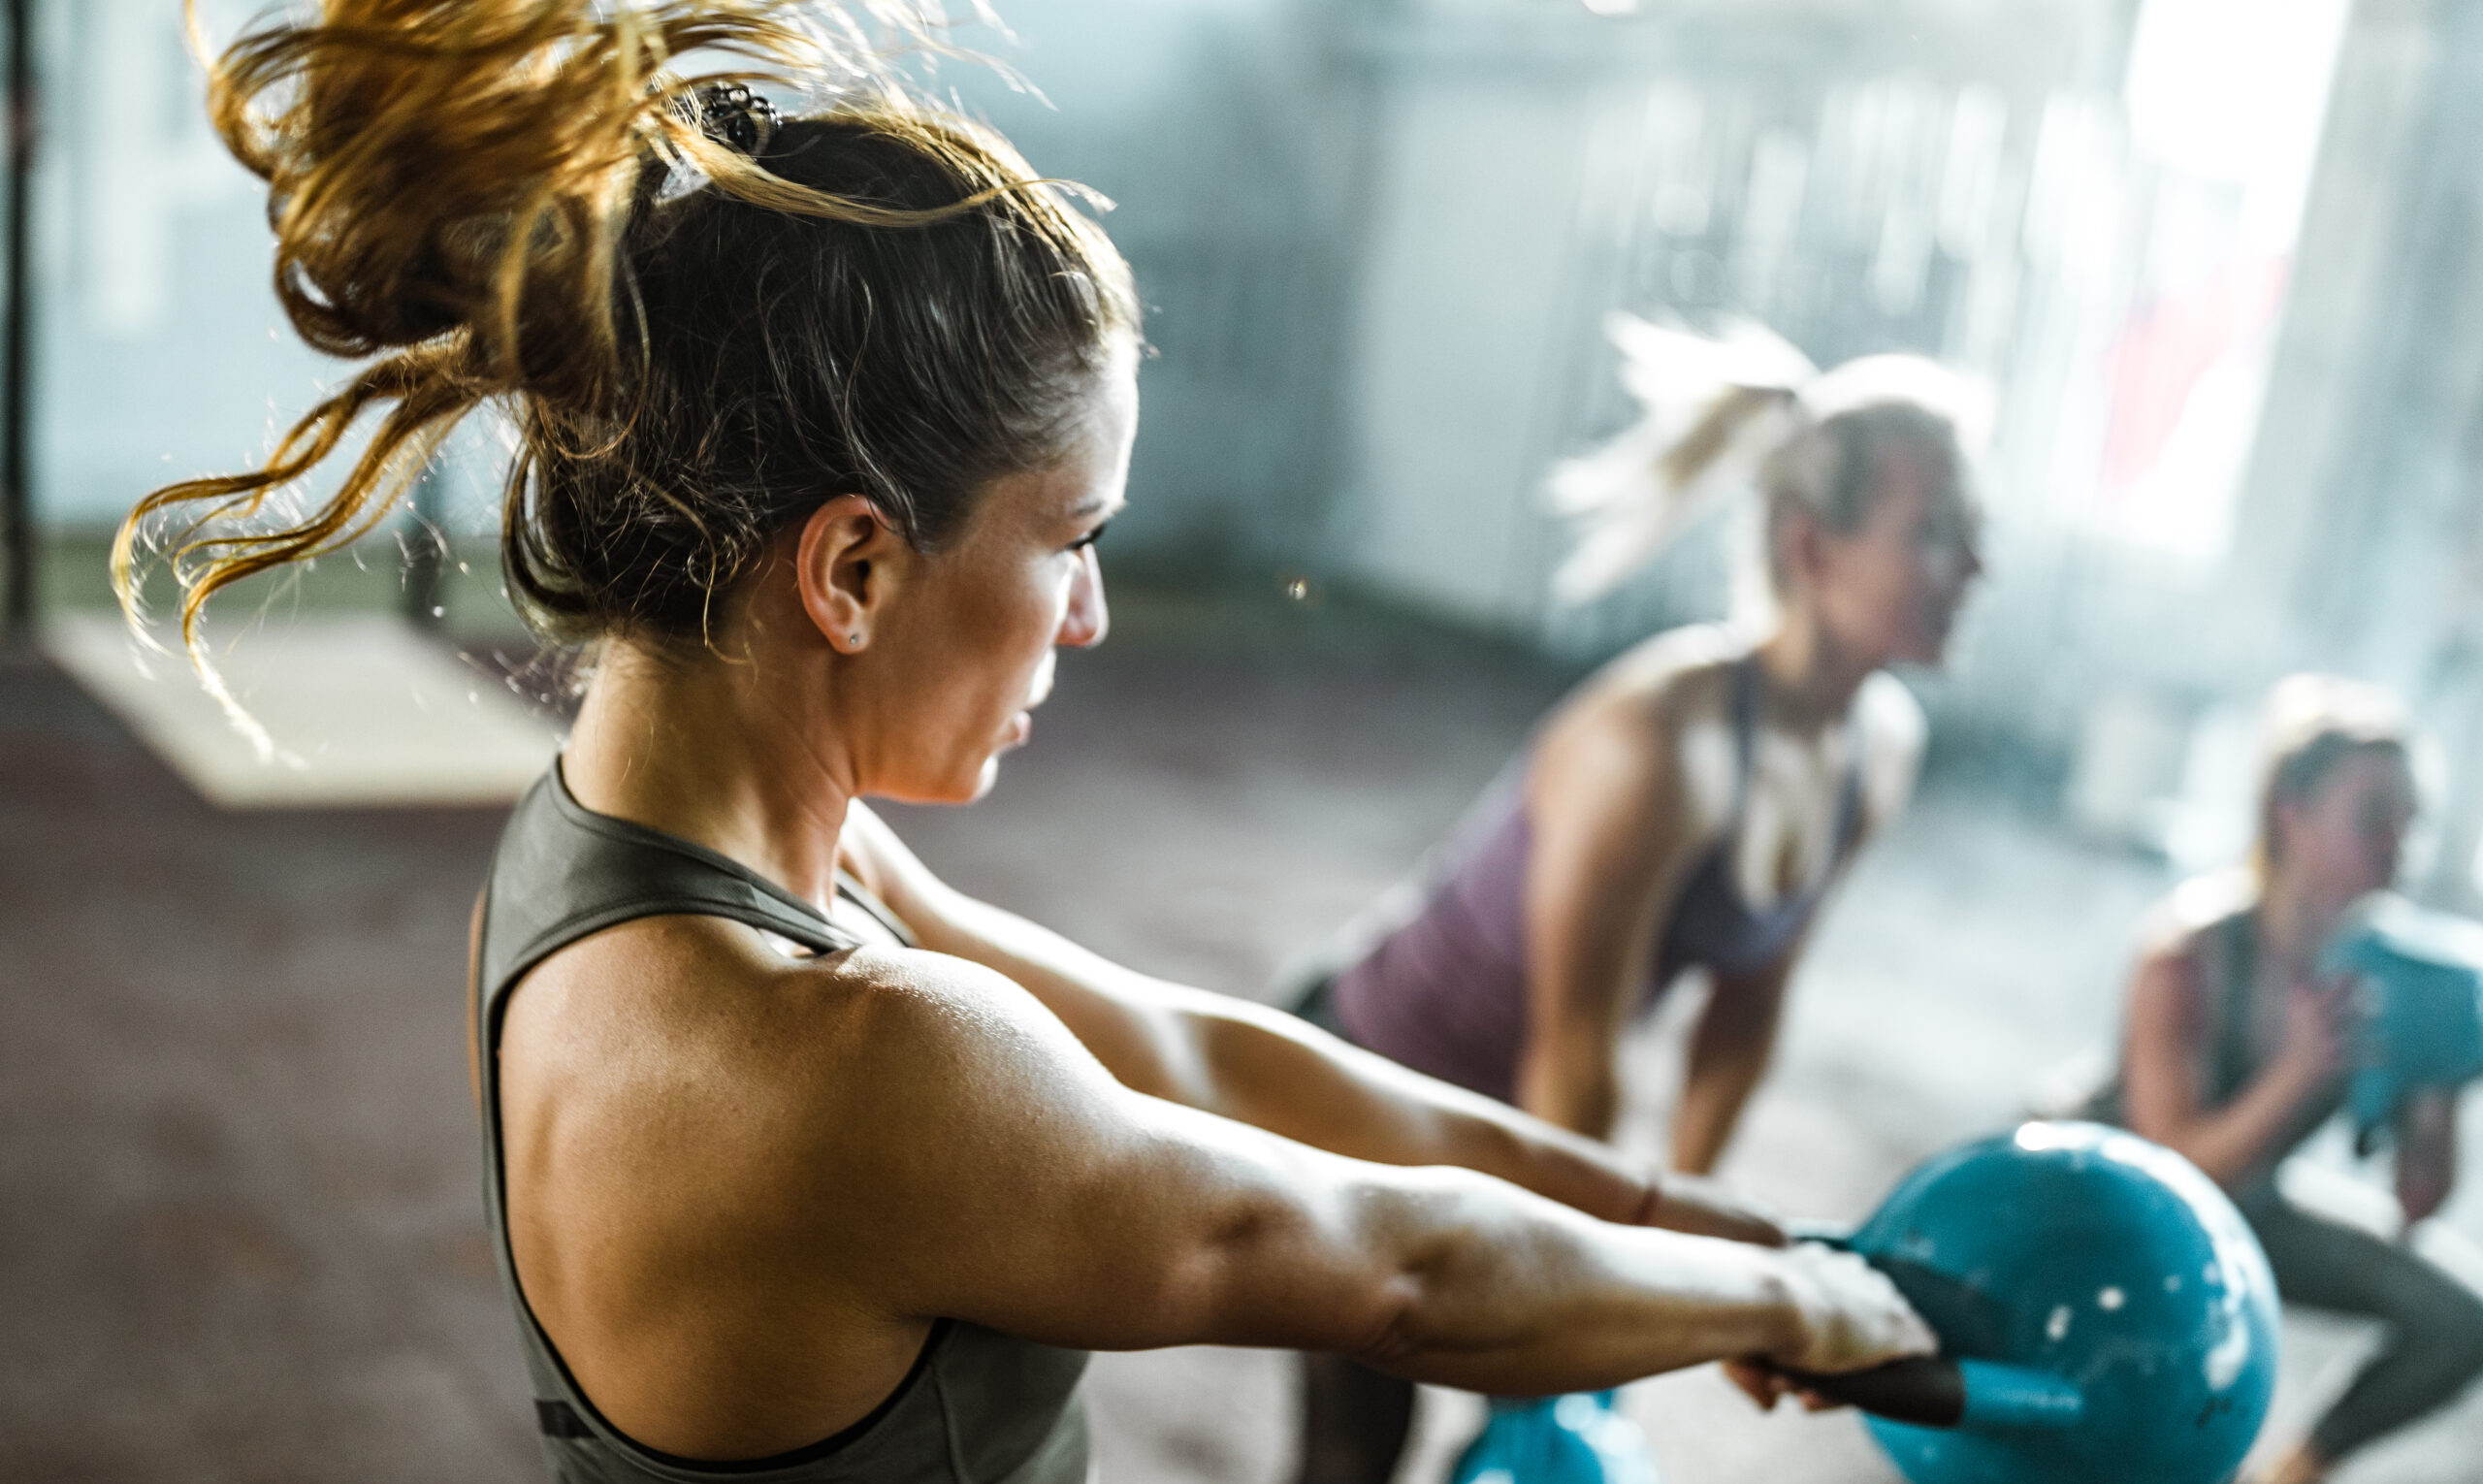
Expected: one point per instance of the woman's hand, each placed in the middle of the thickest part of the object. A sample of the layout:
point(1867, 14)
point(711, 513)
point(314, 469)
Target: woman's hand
point(2426, 1151)
point(2318, 1031)
point(1852, 1318)
point(1766, 1385)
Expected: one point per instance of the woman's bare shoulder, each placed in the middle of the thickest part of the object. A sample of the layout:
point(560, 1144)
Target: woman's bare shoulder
point(701, 992)
point(694, 1044)
point(2179, 932)
point(1678, 676)
point(1651, 723)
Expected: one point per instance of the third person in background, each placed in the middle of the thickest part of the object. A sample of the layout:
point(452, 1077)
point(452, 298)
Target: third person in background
point(2238, 1048)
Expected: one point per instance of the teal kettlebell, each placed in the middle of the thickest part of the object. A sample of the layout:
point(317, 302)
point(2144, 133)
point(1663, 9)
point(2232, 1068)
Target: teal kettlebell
point(2422, 1022)
point(2104, 1316)
point(1574, 1439)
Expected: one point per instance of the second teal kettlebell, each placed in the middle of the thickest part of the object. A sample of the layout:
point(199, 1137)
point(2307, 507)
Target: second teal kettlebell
point(1573, 1439)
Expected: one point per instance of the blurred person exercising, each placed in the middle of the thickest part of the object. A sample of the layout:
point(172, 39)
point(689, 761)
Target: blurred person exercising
point(1690, 805)
point(2237, 1048)
point(799, 1163)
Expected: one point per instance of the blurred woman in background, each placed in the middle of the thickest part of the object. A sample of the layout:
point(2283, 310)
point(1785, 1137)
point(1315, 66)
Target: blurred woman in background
point(1691, 805)
point(799, 1162)
point(2237, 1048)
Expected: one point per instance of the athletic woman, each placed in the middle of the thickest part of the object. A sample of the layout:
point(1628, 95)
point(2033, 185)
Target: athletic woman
point(802, 1165)
point(2236, 1050)
point(1687, 808)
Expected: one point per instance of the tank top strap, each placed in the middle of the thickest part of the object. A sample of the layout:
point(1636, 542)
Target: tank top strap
point(862, 896)
point(2236, 967)
point(1745, 745)
point(564, 872)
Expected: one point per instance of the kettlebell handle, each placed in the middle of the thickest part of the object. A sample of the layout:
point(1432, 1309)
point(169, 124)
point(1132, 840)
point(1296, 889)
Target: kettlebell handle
point(1926, 1391)
point(1937, 1392)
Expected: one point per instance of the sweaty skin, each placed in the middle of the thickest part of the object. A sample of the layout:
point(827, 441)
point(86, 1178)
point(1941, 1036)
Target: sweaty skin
point(1632, 781)
point(743, 1184)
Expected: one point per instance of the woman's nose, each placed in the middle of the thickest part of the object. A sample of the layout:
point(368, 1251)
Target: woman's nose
point(1088, 618)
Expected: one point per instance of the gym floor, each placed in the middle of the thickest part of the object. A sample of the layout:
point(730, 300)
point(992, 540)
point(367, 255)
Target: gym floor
point(241, 1242)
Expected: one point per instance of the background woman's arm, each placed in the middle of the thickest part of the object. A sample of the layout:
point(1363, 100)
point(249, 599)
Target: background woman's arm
point(1612, 839)
point(1729, 1052)
point(2167, 1036)
point(1736, 1033)
point(2426, 1151)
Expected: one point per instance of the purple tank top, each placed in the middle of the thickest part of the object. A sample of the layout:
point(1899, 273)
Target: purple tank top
point(1445, 994)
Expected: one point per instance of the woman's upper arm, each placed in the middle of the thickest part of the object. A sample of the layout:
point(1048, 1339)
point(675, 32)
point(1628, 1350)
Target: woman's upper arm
point(1004, 1176)
point(1613, 835)
point(2161, 1037)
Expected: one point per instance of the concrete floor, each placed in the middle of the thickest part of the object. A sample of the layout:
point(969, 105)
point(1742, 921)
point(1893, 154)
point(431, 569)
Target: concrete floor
point(239, 1240)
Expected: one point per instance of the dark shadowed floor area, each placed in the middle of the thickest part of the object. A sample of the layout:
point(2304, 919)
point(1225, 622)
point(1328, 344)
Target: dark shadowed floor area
point(240, 1234)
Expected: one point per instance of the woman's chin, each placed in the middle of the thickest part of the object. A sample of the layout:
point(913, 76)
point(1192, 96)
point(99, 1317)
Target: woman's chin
point(1930, 648)
point(970, 781)
point(967, 786)
point(967, 783)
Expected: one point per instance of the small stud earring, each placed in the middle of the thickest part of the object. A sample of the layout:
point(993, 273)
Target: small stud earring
point(854, 638)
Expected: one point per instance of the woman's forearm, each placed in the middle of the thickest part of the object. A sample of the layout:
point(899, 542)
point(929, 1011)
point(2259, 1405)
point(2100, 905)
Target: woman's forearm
point(1729, 1053)
point(1278, 1074)
point(2426, 1151)
point(1665, 1310)
point(2229, 1143)
point(1565, 1075)
point(1506, 1300)
point(1712, 1099)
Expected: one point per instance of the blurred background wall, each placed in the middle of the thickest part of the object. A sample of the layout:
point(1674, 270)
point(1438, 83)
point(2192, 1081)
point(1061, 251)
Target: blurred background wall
point(2211, 253)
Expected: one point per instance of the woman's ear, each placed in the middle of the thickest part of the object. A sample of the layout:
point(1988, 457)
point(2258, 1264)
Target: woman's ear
point(847, 565)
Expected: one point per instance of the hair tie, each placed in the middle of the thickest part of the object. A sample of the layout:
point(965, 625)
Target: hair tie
point(734, 116)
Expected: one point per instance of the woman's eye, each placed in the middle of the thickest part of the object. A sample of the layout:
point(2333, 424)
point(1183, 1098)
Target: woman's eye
point(1090, 537)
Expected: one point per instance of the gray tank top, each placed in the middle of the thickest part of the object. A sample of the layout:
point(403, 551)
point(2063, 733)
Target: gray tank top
point(976, 1407)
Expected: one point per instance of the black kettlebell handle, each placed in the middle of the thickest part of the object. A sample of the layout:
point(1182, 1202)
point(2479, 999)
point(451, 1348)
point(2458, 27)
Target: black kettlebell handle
point(1927, 1391)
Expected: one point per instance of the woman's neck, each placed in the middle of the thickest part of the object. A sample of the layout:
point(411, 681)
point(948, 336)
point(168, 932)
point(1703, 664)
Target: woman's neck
point(1811, 681)
point(697, 746)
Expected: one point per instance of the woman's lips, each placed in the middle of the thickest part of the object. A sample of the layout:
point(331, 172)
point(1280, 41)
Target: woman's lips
point(1021, 727)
